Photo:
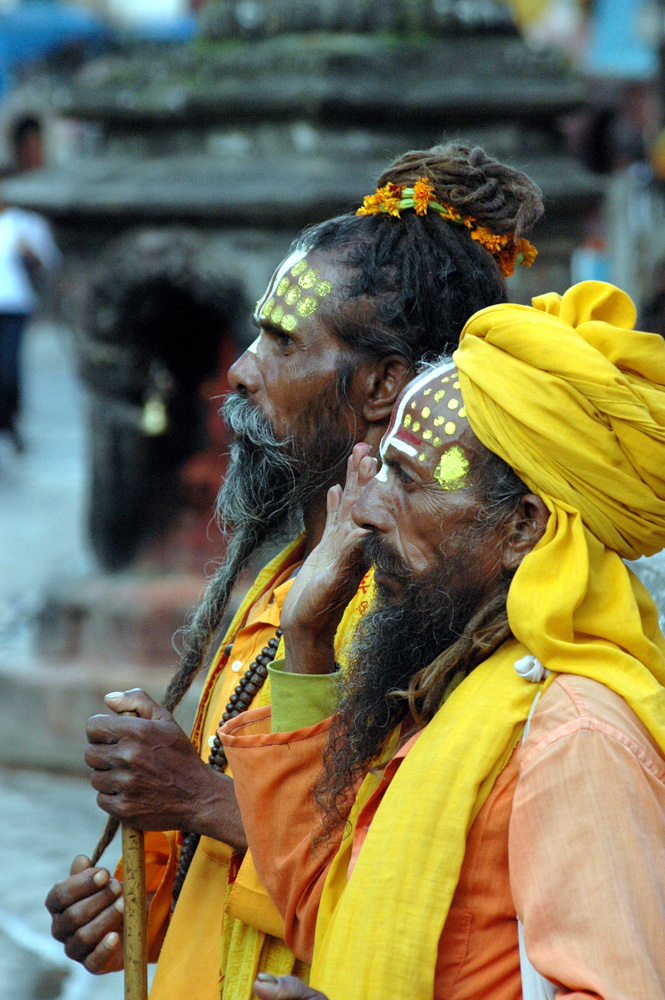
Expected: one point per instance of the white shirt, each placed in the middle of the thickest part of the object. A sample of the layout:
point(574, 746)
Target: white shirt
point(19, 229)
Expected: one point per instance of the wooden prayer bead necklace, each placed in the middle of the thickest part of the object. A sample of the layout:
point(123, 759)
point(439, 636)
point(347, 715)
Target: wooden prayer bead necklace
point(247, 688)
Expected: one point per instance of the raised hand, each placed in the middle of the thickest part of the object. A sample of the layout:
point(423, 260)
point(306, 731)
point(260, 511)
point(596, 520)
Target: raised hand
point(329, 577)
point(146, 772)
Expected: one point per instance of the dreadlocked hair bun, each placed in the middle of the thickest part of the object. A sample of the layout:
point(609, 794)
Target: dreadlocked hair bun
point(502, 199)
point(414, 281)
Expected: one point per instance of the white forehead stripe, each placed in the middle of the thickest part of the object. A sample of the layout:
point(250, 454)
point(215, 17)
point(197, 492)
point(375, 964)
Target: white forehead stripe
point(408, 449)
point(416, 386)
point(382, 474)
point(285, 266)
point(253, 347)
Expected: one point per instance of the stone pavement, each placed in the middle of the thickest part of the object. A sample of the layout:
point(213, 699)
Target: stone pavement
point(46, 817)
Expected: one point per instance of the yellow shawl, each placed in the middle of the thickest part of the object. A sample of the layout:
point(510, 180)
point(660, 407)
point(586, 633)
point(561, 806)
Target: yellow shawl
point(574, 401)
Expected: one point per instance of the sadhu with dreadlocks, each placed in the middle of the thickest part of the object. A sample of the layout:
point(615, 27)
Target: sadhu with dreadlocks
point(357, 303)
point(488, 817)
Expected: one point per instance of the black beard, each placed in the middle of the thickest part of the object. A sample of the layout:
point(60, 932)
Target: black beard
point(398, 637)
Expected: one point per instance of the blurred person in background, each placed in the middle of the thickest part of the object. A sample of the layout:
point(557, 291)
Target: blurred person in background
point(28, 256)
point(347, 317)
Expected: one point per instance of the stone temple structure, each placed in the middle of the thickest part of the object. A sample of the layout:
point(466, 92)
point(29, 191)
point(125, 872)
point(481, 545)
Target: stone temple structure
point(176, 178)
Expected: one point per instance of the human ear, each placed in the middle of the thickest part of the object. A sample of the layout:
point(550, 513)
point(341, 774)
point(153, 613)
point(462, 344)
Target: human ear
point(524, 530)
point(382, 383)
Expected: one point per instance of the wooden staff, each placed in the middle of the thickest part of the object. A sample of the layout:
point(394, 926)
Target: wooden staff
point(135, 922)
point(135, 931)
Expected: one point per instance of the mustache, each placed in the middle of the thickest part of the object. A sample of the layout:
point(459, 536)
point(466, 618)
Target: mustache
point(377, 552)
point(248, 424)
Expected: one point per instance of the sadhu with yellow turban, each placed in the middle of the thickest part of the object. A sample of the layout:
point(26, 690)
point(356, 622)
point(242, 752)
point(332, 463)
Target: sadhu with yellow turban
point(537, 789)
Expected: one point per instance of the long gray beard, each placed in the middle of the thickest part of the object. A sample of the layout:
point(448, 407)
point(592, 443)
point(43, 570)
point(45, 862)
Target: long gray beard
point(268, 484)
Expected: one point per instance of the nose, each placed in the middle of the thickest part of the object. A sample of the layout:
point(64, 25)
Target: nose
point(372, 510)
point(244, 373)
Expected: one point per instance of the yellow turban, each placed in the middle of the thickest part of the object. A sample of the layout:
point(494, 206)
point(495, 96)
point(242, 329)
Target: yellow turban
point(573, 399)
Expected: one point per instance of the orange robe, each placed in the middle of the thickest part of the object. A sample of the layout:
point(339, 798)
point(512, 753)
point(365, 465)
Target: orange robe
point(571, 839)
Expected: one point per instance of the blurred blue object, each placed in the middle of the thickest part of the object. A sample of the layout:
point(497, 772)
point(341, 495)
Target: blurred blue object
point(37, 27)
point(617, 46)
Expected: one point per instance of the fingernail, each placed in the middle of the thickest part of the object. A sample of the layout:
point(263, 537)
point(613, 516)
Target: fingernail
point(267, 977)
point(120, 904)
point(115, 886)
point(111, 940)
point(101, 877)
point(114, 695)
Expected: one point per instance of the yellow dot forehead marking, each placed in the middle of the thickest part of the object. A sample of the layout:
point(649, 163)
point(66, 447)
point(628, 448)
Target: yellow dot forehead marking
point(452, 470)
point(427, 435)
point(407, 420)
point(307, 306)
point(416, 427)
point(453, 404)
point(309, 278)
point(438, 396)
point(421, 456)
point(426, 412)
point(291, 294)
point(438, 421)
point(427, 391)
point(450, 427)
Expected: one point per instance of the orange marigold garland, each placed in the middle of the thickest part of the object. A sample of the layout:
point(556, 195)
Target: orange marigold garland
point(392, 199)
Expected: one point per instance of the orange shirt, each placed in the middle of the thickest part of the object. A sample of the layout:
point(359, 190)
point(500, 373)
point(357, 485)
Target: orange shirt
point(571, 838)
point(189, 962)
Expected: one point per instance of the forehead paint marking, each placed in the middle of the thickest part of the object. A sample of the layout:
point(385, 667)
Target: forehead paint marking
point(253, 347)
point(453, 404)
point(451, 472)
point(390, 437)
point(425, 412)
point(449, 428)
point(382, 474)
point(408, 449)
point(294, 259)
point(438, 396)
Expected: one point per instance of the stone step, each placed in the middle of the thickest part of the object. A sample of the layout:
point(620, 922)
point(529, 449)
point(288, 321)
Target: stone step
point(45, 707)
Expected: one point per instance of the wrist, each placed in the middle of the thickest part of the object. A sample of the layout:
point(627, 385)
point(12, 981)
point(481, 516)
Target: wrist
point(309, 652)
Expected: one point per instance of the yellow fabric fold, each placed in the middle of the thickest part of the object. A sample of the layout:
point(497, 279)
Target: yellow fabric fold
point(247, 950)
point(377, 935)
point(574, 401)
